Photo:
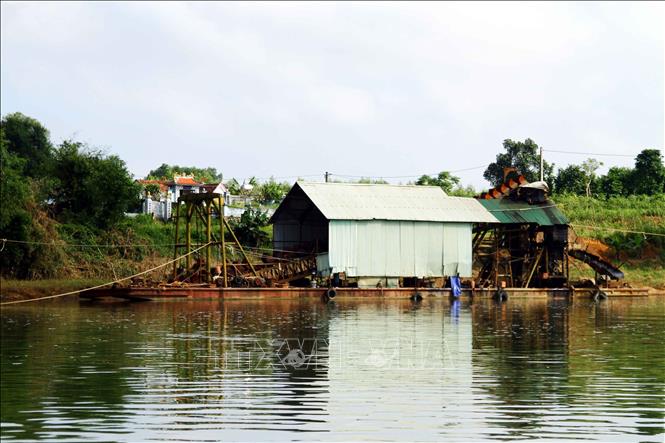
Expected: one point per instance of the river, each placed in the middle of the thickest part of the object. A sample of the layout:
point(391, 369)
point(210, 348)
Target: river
point(371, 369)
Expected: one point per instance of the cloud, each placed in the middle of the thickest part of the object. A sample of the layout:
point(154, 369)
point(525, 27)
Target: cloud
point(362, 88)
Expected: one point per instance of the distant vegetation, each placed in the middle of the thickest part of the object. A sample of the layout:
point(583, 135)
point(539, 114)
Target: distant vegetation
point(166, 172)
point(646, 178)
point(642, 257)
point(55, 195)
point(633, 213)
point(525, 157)
point(65, 204)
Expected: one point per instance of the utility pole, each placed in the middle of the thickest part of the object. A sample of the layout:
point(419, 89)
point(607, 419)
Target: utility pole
point(327, 174)
point(541, 164)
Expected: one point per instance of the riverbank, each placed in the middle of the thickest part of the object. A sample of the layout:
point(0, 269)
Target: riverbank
point(12, 290)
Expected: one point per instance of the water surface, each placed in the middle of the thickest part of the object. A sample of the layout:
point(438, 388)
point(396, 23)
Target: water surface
point(374, 369)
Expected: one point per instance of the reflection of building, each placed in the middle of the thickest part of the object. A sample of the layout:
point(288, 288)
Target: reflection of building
point(377, 234)
point(403, 368)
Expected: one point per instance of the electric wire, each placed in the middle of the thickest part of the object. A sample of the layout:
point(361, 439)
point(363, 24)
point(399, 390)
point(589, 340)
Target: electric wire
point(589, 153)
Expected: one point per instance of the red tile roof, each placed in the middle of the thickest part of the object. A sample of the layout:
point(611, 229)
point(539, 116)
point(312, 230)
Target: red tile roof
point(187, 181)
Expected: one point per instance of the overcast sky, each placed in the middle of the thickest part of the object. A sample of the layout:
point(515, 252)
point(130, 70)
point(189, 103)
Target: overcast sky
point(360, 89)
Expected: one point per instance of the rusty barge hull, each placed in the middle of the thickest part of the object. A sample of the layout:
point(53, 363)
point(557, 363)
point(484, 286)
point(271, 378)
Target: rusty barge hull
point(179, 293)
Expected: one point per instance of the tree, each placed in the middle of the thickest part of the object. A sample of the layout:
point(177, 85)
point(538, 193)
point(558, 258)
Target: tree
point(166, 172)
point(467, 191)
point(14, 195)
point(28, 139)
point(590, 166)
point(372, 181)
point(92, 189)
point(272, 191)
point(570, 180)
point(249, 228)
point(617, 182)
point(152, 190)
point(233, 187)
point(523, 156)
point(445, 180)
point(649, 173)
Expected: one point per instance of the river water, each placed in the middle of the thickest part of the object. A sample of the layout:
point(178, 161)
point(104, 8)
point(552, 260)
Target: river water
point(372, 369)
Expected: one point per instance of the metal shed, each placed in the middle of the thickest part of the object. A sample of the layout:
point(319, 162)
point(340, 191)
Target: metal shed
point(379, 231)
point(527, 248)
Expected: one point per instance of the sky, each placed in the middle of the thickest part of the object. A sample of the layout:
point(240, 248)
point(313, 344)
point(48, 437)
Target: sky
point(291, 90)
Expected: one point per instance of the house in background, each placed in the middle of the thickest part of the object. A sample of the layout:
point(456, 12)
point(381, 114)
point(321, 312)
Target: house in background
point(184, 184)
point(160, 204)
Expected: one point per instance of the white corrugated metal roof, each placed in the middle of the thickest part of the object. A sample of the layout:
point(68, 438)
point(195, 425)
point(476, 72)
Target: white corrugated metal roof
point(351, 201)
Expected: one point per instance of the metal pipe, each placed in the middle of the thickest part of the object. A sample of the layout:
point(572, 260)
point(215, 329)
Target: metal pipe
point(535, 265)
point(221, 232)
point(188, 234)
point(175, 246)
point(208, 238)
point(240, 247)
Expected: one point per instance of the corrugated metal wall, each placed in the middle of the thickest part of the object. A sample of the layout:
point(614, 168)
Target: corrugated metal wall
point(380, 248)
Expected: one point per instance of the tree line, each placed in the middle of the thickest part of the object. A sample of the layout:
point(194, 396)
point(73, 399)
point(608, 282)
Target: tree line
point(45, 186)
point(72, 192)
point(647, 177)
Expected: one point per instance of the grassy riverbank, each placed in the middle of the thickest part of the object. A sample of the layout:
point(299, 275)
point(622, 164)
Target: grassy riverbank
point(602, 220)
point(597, 225)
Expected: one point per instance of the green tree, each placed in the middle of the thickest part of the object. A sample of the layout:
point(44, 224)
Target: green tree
point(272, 191)
point(28, 139)
point(250, 228)
point(445, 180)
point(590, 166)
point(649, 173)
point(93, 189)
point(372, 181)
point(14, 196)
point(525, 157)
point(151, 189)
point(464, 191)
point(617, 182)
point(233, 187)
point(166, 172)
point(570, 180)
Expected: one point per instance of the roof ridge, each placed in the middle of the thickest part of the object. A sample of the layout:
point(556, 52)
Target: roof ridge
point(366, 184)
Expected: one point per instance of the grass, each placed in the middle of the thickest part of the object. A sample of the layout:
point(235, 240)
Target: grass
point(641, 273)
point(633, 213)
point(642, 255)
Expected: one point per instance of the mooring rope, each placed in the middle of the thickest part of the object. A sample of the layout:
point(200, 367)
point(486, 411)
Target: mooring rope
point(617, 230)
point(105, 284)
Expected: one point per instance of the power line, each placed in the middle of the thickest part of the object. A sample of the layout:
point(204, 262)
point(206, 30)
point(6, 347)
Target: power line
point(284, 177)
point(602, 228)
point(406, 176)
point(590, 153)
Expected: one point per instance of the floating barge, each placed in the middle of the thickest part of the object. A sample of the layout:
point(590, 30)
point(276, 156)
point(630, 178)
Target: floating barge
point(202, 293)
point(355, 240)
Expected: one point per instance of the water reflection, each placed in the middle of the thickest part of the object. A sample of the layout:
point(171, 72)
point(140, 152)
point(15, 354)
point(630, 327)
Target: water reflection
point(348, 370)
